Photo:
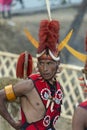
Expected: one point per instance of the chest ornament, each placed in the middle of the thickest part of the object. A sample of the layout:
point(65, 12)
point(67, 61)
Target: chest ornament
point(51, 100)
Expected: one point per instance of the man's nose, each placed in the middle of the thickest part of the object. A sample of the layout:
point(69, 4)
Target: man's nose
point(45, 67)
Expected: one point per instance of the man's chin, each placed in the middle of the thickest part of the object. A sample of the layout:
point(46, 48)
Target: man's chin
point(47, 78)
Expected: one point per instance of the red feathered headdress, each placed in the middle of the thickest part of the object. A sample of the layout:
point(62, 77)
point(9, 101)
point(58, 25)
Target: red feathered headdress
point(48, 38)
point(24, 65)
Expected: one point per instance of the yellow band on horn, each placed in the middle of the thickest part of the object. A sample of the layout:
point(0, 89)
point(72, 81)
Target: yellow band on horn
point(10, 93)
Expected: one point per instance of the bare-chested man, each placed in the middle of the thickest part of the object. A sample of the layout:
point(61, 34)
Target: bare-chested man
point(80, 117)
point(40, 94)
point(79, 121)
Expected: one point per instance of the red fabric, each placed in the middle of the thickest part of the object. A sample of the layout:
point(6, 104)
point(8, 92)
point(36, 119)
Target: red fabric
point(5, 2)
point(23, 117)
point(31, 127)
point(48, 35)
point(83, 104)
point(20, 65)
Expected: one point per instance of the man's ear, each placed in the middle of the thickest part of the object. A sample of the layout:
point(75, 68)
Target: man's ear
point(58, 63)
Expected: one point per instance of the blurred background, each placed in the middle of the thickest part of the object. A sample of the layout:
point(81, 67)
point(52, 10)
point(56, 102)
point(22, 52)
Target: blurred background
point(72, 14)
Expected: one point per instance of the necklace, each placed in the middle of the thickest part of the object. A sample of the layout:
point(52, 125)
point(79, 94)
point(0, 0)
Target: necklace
point(52, 88)
point(51, 98)
point(52, 95)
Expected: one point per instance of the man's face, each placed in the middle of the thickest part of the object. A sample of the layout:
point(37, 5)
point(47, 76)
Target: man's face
point(47, 68)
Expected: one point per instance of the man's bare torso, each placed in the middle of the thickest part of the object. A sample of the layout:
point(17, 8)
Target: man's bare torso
point(32, 106)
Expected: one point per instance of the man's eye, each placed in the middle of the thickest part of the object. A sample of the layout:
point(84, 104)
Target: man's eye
point(41, 63)
point(50, 63)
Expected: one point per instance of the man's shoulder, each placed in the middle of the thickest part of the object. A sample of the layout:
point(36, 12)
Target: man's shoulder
point(34, 76)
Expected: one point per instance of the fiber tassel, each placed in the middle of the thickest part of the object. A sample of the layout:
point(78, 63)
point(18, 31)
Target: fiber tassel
point(52, 105)
point(21, 67)
point(48, 103)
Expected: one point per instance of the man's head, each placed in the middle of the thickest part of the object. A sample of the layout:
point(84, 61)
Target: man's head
point(47, 53)
point(48, 68)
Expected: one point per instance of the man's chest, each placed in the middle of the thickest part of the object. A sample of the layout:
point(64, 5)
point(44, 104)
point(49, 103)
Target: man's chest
point(35, 100)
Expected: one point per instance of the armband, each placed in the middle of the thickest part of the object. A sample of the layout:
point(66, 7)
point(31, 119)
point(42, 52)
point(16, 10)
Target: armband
point(10, 93)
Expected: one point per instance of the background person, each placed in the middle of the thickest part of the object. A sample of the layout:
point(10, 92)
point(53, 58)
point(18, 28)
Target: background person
point(79, 121)
point(6, 8)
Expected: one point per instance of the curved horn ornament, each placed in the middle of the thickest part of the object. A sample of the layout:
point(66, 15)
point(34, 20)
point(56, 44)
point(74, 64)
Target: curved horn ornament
point(65, 41)
point(31, 38)
point(78, 55)
point(36, 44)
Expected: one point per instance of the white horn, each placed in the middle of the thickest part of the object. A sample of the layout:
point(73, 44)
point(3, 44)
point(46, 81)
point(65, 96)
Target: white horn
point(40, 54)
point(53, 57)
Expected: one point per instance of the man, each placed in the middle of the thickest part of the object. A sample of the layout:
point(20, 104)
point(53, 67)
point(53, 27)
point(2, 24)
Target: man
point(40, 94)
point(79, 121)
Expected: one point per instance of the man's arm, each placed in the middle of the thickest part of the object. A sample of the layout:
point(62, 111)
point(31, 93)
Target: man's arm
point(79, 119)
point(18, 90)
point(4, 112)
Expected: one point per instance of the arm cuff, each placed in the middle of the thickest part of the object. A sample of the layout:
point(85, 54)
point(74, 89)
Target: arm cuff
point(10, 93)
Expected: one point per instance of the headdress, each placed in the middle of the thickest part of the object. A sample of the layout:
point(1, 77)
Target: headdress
point(48, 46)
point(48, 40)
